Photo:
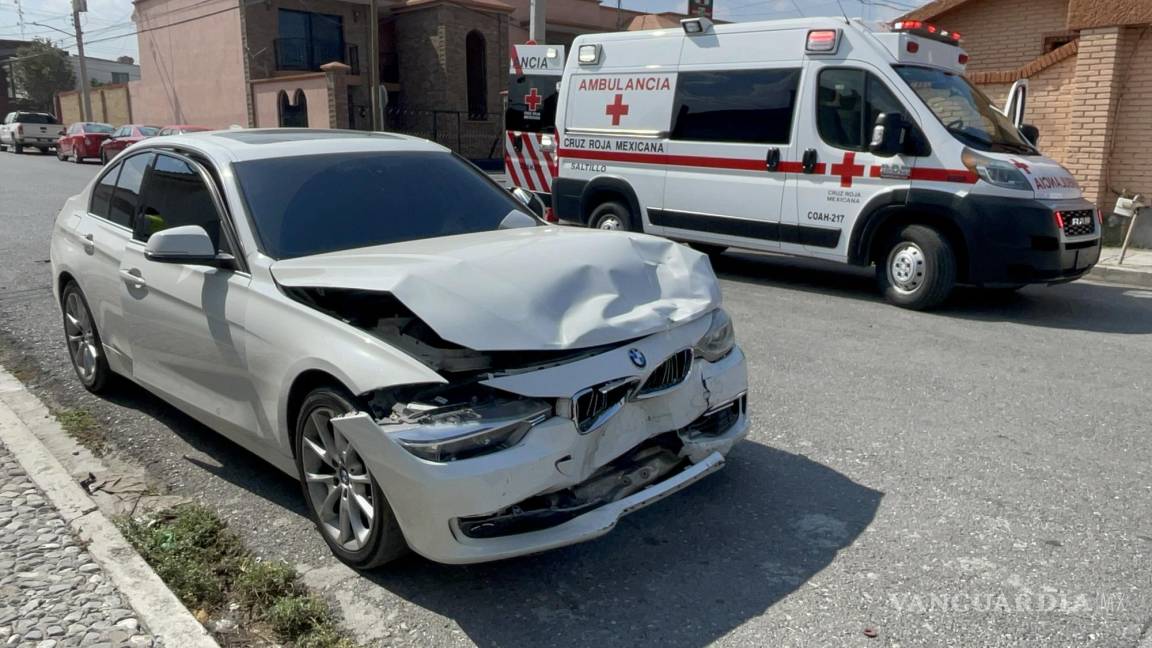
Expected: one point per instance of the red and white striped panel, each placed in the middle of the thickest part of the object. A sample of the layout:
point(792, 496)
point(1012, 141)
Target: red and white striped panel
point(531, 168)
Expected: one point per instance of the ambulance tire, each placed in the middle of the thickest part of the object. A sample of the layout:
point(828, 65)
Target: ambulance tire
point(918, 268)
point(612, 215)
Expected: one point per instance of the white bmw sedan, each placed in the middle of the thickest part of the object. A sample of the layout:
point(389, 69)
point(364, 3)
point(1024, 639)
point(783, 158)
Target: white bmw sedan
point(373, 315)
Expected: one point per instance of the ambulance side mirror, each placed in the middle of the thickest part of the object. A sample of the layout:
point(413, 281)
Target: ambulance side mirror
point(1030, 133)
point(530, 200)
point(888, 135)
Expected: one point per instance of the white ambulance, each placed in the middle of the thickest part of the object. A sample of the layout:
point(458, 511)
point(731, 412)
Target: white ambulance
point(535, 72)
point(820, 137)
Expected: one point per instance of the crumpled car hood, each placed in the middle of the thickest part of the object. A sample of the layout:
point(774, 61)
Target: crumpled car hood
point(526, 289)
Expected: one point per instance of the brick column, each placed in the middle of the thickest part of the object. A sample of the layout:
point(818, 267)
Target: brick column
point(1096, 88)
point(337, 93)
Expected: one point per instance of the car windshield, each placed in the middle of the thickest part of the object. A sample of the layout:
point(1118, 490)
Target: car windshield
point(35, 118)
point(97, 128)
point(965, 111)
point(148, 131)
point(312, 204)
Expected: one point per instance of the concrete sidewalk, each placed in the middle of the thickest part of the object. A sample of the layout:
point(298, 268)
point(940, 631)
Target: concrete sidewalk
point(1135, 271)
point(67, 576)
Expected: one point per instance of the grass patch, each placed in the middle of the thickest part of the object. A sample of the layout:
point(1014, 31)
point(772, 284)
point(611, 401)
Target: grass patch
point(209, 569)
point(82, 426)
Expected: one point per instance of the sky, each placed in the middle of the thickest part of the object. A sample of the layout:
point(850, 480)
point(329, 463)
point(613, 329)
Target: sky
point(108, 26)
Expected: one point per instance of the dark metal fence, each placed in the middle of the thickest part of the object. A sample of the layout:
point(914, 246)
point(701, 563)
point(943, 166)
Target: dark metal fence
point(475, 136)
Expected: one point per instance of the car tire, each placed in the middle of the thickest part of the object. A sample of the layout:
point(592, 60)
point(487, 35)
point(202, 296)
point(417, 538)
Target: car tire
point(612, 216)
point(82, 341)
point(59, 154)
point(918, 268)
point(709, 248)
point(351, 484)
point(76, 159)
point(17, 149)
point(103, 157)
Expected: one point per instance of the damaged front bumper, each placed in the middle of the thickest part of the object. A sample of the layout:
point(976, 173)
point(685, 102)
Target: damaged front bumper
point(561, 484)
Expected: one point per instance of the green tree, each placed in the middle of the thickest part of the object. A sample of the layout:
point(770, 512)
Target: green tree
point(41, 71)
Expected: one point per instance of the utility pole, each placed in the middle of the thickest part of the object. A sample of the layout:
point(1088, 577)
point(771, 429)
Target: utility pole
point(374, 67)
point(537, 21)
point(85, 102)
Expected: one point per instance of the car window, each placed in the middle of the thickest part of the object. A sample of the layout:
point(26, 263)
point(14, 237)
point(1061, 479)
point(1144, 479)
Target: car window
point(97, 128)
point(310, 204)
point(102, 194)
point(753, 106)
point(176, 196)
point(35, 118)
point(848, 102)
point(148, 131)
point(126, 199)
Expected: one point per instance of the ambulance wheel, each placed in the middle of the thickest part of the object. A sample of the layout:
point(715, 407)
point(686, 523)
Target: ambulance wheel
point(918, 270)
point(611, 216)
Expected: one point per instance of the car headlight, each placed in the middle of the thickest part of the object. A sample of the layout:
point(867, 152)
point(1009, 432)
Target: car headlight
point(719, 339)
point(451, 433)
point(995, 172)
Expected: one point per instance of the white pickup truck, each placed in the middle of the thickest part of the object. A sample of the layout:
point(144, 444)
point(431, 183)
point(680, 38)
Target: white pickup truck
point(22, 130)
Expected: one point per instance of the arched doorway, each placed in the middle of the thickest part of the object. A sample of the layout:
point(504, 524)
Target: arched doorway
point(295, 113)
point(475, 52)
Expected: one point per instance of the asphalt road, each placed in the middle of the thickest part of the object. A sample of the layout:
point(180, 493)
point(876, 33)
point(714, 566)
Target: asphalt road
point(976, 476)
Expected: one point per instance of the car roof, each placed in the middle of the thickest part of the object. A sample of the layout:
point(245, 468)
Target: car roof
point(263, 143)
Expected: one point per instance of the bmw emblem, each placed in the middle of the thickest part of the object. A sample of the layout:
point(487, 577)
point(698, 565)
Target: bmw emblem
point(637, 357)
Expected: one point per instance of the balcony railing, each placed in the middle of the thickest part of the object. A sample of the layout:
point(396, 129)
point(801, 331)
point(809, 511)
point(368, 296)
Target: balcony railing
point(305, 54)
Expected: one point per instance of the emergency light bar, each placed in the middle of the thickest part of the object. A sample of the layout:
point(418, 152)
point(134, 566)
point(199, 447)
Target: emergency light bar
point(927, 30)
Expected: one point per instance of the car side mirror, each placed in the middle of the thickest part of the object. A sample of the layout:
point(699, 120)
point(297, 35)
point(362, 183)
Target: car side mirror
point(1030, 133)
point(530, 200)
point(188, 244)
point(888, 134)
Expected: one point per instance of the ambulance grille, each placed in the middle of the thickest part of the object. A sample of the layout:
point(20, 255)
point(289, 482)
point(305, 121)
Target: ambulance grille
point(1083, 219)
point(670, 373)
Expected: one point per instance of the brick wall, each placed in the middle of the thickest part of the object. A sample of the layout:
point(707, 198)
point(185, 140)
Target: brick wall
point(1049, 105)
point(1005, 34)
point(1102, 58)
point(1130, 165)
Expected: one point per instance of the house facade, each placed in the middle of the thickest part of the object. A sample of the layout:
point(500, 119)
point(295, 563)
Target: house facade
point(1089, 68)
point(442, 63)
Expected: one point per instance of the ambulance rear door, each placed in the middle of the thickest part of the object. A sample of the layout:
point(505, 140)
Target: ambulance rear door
point(535, 74)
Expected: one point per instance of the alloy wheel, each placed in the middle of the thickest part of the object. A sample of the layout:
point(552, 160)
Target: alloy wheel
point(610, 222)
point(338, 483)
point(81, 337)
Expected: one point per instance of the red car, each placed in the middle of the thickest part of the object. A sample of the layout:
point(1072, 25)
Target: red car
point(123, 137)
point(82, 140)
point(182, 128)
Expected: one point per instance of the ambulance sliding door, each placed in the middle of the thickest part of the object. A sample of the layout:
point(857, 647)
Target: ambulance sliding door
point(731, 138)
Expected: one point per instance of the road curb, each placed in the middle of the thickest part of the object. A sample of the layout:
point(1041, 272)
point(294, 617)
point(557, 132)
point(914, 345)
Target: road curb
point(1121, 275)
point(162, 613)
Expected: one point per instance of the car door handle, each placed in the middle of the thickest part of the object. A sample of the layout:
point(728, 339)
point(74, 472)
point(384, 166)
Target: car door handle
point(809, 160)
point(772, 159)
point(89, 243)
point(133, 277)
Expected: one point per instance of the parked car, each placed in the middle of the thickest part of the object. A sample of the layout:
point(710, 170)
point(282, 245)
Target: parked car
point(22, 130)
point(82, 140)
point(180, 129)
point(378, 318)
point(123, 137)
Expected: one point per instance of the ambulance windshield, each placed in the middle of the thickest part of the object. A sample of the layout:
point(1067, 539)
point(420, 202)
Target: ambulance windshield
point(965, 111)
point(531, 103)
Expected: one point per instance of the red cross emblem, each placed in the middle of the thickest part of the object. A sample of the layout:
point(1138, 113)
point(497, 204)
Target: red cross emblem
point(616, 109)
point(1020, 165)
point(532, 99)
point(848, 169)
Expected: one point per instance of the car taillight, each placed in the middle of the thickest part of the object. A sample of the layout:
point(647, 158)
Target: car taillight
point(19, 129)
point(1099, 217)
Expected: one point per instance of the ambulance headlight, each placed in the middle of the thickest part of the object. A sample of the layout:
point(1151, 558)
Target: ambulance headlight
point(995, 172)
point(719, 339)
